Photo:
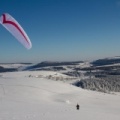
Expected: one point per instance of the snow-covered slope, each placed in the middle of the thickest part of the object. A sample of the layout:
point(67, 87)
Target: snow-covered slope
point(15, 65)
point(29, 98)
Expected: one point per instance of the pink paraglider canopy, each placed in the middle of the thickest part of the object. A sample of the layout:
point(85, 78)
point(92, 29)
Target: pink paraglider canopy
point(15, 29)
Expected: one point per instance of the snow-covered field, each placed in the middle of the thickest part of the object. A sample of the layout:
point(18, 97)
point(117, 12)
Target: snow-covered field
point(27, 96)
point(13, 65)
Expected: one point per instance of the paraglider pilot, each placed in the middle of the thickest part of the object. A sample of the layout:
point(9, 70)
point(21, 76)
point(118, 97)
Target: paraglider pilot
point(77, 106)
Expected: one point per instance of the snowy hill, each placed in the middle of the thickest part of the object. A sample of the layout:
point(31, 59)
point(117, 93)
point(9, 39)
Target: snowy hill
point(24, 97)
point(107, 61)
point(101, 75)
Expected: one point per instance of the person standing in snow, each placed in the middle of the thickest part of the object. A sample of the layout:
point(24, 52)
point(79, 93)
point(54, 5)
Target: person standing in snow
point(77, 106)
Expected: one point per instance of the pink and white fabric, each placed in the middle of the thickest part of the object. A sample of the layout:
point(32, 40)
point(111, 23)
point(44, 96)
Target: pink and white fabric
point(15, 29)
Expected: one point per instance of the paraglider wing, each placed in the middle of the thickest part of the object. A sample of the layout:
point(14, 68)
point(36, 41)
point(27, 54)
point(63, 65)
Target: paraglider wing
point(15, 29)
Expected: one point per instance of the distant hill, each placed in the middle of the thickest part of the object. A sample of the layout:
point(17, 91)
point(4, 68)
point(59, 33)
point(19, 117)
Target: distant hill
point(2, 69)
point(106, 61)
point(53, 64)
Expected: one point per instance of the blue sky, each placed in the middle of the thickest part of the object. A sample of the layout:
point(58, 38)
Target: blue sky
point(62, 30)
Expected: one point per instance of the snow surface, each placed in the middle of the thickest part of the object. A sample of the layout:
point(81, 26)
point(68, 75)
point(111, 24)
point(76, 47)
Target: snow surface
point(24, 97)
point(13, 65)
